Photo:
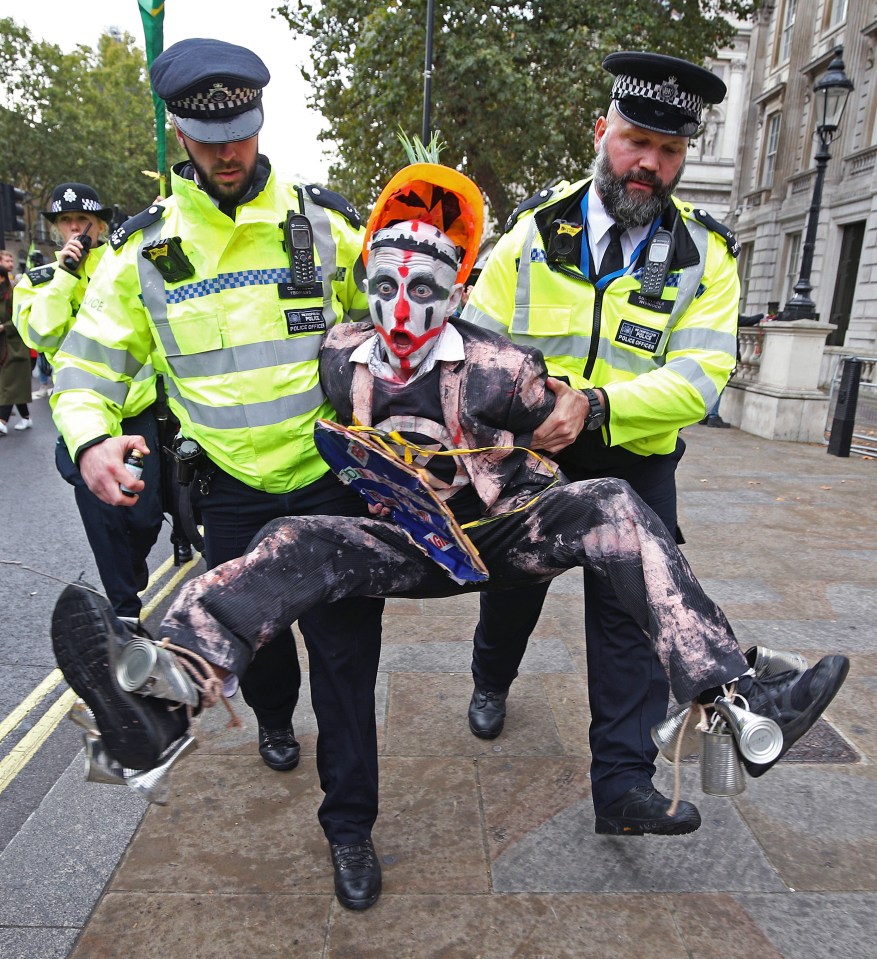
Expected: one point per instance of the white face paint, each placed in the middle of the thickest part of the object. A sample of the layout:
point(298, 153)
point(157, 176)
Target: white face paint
point(412, 290)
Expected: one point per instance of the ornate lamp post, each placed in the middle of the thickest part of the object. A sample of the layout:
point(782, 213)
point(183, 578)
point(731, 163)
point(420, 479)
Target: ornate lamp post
point(831, 93)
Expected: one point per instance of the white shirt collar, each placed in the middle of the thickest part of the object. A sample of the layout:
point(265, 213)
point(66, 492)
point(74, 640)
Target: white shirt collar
point(447, 347)
point(599, 222)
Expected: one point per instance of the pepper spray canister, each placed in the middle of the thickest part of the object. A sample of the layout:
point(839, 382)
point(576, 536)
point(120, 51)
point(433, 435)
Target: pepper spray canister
point(134, 465)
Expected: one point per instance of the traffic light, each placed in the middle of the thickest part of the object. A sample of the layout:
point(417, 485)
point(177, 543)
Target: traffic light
point(12, 208)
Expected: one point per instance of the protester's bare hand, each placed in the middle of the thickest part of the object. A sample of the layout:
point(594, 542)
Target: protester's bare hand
point(378, 509)
point(566, 421)
point(103, 469)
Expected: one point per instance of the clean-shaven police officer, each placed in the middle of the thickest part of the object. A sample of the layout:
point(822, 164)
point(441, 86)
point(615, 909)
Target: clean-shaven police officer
point(46, 302)
point(631, 295)
point(233, 282)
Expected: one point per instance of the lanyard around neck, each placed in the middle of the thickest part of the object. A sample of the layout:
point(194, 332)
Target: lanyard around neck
point(585, 263)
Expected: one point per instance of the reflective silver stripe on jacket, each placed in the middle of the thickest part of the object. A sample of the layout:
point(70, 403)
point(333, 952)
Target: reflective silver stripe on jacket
point(153, 291)
point(326, 251)
point(266, 413)
point(693, 373)
point(121, 362)
point(242, 359)
point(70, 378)
point(521, 317)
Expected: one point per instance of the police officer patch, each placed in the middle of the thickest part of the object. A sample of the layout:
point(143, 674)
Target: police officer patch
point(305, 321)
point(639, 337)
point(40, 274)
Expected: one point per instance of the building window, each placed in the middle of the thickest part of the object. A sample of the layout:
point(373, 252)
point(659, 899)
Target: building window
point(837, 12)
point(793, 263)
point(771, 143)
point(786, 30)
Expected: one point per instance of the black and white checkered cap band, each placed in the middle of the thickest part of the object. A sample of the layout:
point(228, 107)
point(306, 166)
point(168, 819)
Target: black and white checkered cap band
point(216, 100)
point(64, 206)
point(665, 92)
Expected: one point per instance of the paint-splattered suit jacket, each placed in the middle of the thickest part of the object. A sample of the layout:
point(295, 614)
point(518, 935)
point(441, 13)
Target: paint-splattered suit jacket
point(495, 397)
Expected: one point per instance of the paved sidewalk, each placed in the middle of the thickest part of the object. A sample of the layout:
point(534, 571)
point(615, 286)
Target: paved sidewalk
point(488, 848)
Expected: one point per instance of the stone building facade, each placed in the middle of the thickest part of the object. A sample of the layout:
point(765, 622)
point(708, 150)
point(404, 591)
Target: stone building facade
point(791, 44)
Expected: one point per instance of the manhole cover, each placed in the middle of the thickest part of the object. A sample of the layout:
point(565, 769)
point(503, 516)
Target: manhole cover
point(821, 745)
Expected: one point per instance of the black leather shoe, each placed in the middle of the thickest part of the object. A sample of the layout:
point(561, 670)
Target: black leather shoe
point(279, 748)
point(793, 700)
point(87, 638)
point(643, 810)
point(487, 713)
point(717, 422)
point(357, 874)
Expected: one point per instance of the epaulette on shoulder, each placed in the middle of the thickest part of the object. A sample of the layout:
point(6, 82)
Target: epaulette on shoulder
point(334, 201)
point(134, 224)
point(543, 196)
point(41, 274)
point(711, 223)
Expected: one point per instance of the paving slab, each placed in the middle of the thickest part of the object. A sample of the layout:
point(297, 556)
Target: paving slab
point(487, 847)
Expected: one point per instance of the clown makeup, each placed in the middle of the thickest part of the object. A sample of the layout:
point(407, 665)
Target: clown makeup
point(412, 290)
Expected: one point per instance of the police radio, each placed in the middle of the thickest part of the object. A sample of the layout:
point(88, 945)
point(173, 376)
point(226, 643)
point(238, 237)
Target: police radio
point(658, 256)
point(300, 247)
point(71, 262)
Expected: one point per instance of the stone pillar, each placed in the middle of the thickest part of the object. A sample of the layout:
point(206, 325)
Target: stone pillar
point(785, 402)
point(734, 103)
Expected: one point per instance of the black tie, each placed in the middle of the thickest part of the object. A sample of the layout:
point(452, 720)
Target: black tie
point(613, 258)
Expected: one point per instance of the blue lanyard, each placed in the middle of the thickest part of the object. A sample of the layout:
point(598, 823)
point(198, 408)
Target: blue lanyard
point(585, 263)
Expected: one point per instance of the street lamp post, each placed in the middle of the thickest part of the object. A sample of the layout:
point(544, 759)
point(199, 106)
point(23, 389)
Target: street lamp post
point(427, 75)
point(831, 93)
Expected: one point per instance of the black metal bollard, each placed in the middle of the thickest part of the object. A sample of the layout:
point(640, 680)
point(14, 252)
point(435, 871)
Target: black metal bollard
point(841, 438)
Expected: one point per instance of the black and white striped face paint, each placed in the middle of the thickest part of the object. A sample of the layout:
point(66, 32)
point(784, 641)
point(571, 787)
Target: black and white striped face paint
point(412, 290)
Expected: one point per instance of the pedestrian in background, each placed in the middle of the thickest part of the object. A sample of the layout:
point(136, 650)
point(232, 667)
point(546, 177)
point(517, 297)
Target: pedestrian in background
point(15, 366)
point(46, 303)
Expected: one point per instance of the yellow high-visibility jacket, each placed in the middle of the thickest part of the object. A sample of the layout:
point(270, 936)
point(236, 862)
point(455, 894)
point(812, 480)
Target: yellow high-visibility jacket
point(236, 342)
point(662, 362)
point(45, 303)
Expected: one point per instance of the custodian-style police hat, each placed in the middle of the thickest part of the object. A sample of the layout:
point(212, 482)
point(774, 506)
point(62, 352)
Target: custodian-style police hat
point(76, 198)
point(213, 89)
point(661, 93)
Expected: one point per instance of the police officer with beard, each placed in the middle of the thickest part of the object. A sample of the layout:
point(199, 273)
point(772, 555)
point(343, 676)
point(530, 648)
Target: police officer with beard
point(631, 294)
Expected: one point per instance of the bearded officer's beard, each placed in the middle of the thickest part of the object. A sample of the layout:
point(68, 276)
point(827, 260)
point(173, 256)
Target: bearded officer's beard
point(223, 196)
point(626, 210)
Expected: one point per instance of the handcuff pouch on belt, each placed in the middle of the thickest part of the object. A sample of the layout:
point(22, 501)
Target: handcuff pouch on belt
point(193, 467)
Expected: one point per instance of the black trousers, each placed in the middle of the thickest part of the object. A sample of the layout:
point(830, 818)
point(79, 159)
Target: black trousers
point(627, 688)
point(343, 642)
point(121, 537)
point(301, 562)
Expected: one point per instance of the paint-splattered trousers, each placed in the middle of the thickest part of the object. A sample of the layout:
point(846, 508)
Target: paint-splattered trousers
point(298, 562)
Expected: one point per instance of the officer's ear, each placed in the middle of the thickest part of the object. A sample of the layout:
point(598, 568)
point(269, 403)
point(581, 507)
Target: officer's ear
point(180, 138)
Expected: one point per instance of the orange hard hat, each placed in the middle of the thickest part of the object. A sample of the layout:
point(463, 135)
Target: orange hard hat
point(434, 194)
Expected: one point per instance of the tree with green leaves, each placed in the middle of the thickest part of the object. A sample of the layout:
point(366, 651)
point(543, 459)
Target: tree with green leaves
point(516, 86)
point(85, 116)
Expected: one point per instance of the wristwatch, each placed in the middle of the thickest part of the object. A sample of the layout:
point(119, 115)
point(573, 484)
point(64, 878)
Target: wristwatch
point(596, 412)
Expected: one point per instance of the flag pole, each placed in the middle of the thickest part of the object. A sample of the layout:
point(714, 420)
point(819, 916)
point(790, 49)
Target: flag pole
point(152, 15)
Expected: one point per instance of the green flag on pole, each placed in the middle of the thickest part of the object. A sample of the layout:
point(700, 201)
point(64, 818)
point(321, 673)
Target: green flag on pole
point(152, 15)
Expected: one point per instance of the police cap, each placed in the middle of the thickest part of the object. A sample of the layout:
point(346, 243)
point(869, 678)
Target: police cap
point(76, 198)
point(213, 89)
point(661, 93)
